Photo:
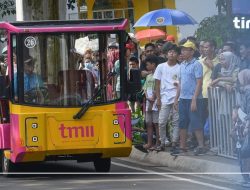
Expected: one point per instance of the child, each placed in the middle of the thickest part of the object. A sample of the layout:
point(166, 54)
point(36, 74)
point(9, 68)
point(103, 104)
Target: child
point(166, 83)
point(152, 113)
point(133, 102)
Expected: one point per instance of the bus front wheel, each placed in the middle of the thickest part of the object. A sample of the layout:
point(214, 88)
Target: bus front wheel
point(102, 165)
point(7, 165)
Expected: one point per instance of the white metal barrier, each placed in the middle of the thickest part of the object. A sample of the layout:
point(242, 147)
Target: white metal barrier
point(220, 105)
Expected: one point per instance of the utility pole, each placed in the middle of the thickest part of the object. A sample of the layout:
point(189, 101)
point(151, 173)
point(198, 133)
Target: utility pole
point(19, 10)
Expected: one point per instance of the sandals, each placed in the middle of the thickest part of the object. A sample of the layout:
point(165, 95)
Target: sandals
point(160, 148)
point(179, 152)
point(147, 146)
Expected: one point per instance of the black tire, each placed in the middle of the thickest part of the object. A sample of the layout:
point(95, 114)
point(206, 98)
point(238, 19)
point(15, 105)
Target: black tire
point(7, 166)
point(102, 164)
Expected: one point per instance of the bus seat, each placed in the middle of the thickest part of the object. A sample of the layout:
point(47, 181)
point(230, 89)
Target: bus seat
point(53, 91)
point(76, 83)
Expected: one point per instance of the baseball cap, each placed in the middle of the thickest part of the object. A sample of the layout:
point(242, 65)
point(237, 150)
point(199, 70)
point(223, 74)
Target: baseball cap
point(189, 44)
point(170, 38)
point(29, 60)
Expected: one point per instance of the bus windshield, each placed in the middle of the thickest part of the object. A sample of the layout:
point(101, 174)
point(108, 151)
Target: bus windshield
point(65, 69)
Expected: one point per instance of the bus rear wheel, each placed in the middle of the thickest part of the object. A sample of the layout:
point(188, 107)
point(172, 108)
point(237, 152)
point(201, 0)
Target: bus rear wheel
point(7, 165)
point(102, 164)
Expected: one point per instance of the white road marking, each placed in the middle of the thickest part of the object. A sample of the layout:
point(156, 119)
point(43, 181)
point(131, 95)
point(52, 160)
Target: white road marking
point(207, 176)
point(173, 177)
point(33, 184)
point(116, 180)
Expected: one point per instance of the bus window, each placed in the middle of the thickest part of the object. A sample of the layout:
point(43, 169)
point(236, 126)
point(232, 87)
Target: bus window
point(113, 65)
point(3, 56)
point(4, 82)
point(68, 68)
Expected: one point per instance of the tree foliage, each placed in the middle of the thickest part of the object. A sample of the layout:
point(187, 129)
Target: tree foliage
point(70, 4)
point(7, 7)
point(220, 28)
point(224, 7)
point(216, 28)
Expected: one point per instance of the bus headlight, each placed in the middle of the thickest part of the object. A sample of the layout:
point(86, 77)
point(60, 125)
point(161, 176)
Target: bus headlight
point(116, 135)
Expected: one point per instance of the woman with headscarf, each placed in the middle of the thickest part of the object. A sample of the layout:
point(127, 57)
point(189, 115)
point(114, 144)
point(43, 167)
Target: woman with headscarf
point(244, 92)
point(242, 112)
point(225, 73)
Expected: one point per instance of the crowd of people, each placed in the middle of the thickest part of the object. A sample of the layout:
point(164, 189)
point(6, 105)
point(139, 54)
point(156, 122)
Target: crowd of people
point(175, 79)
point(176, 82)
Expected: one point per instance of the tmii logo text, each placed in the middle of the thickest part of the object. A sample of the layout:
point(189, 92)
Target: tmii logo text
point(241, 23)
point(76, 131)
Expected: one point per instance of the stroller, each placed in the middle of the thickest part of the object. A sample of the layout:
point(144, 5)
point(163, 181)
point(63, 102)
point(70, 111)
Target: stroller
point(239, 134)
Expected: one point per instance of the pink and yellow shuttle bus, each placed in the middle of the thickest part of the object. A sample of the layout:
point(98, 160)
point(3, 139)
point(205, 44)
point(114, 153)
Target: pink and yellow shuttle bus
point(56, 96)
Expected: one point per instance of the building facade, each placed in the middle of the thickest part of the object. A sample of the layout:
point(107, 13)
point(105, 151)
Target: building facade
point(130, 9)
point(134, 9)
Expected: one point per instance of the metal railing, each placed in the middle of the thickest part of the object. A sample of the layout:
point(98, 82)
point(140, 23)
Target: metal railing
point(220, 105)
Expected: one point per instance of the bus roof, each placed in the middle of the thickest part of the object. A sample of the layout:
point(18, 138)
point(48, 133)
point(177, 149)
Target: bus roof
point(65, 26)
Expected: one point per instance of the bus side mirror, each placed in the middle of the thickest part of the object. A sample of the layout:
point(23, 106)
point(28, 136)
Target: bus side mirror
point(4, 89)
point(134, 83)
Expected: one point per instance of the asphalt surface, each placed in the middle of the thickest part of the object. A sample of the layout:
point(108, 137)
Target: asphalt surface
point(125, 174)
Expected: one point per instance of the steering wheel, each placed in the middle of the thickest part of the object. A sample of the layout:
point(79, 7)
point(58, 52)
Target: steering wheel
point(72, 100)
point(36, 95)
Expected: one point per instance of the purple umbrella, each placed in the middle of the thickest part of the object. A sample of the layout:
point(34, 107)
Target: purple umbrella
point(164, 17)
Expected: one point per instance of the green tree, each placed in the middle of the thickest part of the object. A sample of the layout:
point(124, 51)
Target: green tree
point(41, 9)
point(220, 27)
point(7, 7)
point(70, 4)
point(224, 7)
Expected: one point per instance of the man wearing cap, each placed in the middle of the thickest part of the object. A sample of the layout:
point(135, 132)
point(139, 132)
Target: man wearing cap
point(189, 94)
point(31, 79)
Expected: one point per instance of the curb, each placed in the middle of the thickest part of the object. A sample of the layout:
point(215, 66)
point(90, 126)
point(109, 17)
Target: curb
point(192, 164)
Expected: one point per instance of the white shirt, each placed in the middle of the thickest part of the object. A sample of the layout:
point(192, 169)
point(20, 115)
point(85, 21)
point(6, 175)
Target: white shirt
point(168, 75)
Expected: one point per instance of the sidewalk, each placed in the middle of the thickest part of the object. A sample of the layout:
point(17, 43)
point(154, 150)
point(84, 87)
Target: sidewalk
point(208, 163)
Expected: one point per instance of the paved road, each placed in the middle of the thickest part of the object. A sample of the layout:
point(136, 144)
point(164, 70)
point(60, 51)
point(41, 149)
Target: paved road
point(125, 174)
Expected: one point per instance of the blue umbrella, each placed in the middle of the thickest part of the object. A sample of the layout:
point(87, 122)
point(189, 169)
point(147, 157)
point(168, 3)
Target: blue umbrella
point(164, 17)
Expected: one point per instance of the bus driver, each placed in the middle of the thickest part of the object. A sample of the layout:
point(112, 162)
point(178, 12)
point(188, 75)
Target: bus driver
point(32, 82)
